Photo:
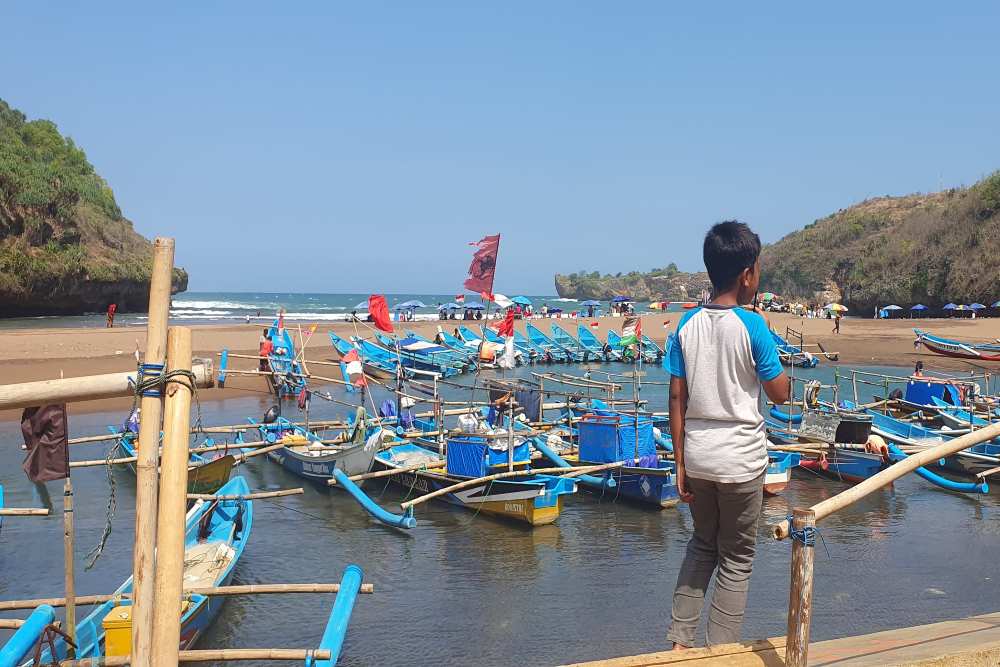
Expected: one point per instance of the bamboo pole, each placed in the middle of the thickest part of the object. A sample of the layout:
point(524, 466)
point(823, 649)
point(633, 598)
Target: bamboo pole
point(574, 471)
point(147, 468)
point(926, 457)
point(23, 511)
point(68, 564)
point(391, 471)
point(213, 655)
point(169, 575)
point(85, 388)
point(800, 592)
point(248, 496)
point(251, 589)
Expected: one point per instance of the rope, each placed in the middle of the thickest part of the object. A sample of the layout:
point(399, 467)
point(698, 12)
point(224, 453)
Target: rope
point(150, 381)
point(806, 536)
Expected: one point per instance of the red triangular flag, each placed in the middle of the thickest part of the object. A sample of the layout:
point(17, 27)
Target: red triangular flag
point(506, 327)
point(379, 311)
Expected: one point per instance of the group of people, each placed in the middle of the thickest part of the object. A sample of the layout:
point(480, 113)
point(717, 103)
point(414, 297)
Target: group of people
point(622, 308)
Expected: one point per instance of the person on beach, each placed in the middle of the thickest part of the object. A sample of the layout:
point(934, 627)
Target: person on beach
point(111, 315)
point(266, 348)
point(836, 322)
point(719, 357)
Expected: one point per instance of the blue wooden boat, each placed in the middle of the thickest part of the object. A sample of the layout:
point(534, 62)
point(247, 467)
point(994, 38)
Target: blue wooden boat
point(531, 499)
point(593, 344)
point(535, 353)
point(957, 349)
point(460, 346)
point(651, 349)
point(305, 455)
point(289, 378)
point(423, 356)
point(205, 475)
point(215, 536)
point(571, 345)
point(382, 366)
point(615, 343)
point(792, 355)
point(456, 349)
point(549, 348)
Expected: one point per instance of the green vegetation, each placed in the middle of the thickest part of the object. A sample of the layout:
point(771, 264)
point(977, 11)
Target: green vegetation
point(666, 284)
point(929, 248)
point(64, 245)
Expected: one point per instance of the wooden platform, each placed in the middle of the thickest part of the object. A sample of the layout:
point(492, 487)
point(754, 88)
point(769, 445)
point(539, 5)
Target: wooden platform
point(970, 642)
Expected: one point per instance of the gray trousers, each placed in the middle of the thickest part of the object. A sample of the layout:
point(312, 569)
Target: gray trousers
point(725, 537)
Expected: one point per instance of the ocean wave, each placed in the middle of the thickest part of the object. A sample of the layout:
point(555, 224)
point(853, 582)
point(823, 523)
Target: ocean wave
point(218, 305)
point(566, 300)
point(205, 313)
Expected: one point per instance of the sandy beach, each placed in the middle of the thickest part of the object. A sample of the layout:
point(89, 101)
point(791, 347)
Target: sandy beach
point(42, 354)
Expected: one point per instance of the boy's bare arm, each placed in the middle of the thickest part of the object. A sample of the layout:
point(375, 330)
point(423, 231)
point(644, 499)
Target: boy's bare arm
point(678, 410)
point(779, 390)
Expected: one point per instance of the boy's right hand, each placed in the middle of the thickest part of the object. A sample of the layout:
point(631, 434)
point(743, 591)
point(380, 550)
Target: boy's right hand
point(682, 491)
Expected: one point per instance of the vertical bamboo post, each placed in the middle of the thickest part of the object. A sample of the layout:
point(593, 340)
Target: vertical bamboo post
point(143, 565)
point(800, 592)
point(68, 540)
point(854, 382)
point(169, 576)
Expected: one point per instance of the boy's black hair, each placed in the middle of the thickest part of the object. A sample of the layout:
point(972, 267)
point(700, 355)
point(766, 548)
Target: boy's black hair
point(730, 247)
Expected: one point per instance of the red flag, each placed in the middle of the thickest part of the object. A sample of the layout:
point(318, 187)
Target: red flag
point(379, 311)
point(487, 296)
point(484, 265)
point(506, 328)
point(459, 298)
point(595, 325)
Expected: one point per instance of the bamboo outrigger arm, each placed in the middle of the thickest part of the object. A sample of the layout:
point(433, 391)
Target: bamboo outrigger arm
point(213, 655)
point(86, 388)
point(895, 471)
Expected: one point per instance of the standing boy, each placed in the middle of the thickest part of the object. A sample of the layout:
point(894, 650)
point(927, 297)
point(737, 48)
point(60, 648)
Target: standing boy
point(720, 356)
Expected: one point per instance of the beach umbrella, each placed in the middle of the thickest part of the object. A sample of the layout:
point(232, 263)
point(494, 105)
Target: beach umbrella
point(523, 300)
point(555, 310)
point(949, 306)
point(474, 305)
point(407, 305)
point(449, 306)
point(620, 299)
point(919, 306)
point(768, 296)
point(502, 300)
point(838, 307)
point(362, 306)
point(657, 305)
point(996, 305)
point(893, 307)
point(590, 302)
point(977, 306)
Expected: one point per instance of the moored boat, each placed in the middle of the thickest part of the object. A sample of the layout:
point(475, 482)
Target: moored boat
point(957, 349)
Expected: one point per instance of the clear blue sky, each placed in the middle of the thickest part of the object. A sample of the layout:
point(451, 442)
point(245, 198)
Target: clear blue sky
point(370, 142)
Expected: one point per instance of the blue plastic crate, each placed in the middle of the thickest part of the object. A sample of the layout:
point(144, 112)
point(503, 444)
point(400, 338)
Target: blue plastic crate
point(610, 438)
point(471, 456)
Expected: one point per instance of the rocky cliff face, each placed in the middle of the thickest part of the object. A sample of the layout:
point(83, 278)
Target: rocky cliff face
point(65, 247)
point(658, 285)
point(928, 248)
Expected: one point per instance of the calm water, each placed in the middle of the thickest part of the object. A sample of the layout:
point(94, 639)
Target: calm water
point(463, 589)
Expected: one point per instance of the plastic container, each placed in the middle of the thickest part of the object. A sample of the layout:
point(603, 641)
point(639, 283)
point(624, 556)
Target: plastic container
point(118, 631)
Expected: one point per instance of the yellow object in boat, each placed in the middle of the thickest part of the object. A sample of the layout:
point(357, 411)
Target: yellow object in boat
point(118, 631)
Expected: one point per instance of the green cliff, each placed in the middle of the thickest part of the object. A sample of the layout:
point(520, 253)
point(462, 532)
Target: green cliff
point(928, 248)
point(667, 284)
point(65, 247)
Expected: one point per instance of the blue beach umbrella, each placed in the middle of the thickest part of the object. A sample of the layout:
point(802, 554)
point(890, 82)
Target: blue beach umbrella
point(620, 299)
point(523, 300)
point(949, 306)
point(450, 306)
point(590, 302)
point(475, 305)
point(977, 306)
point(919, 306)
point(893, 307)
point(407, 305)
point(363, 304)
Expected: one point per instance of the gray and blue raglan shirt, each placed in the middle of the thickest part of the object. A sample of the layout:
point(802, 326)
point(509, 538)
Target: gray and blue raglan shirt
point(724, 353)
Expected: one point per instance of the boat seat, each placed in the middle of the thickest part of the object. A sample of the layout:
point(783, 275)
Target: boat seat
point(204, 563)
